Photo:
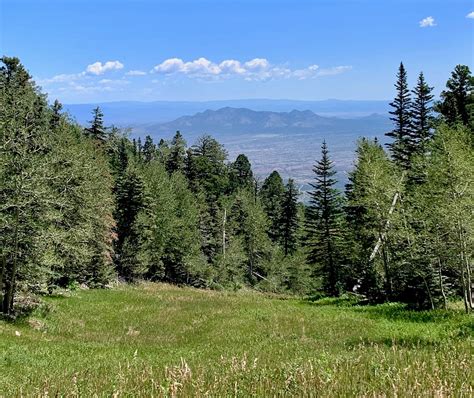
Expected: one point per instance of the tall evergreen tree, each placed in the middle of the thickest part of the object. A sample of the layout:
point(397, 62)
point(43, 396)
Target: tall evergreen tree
point(129, 193)
point(97, 130)
point(22, 176)
point(56, 114)
point(457, 101)
point(271, 194)
point(149, 149)
point(323, 224)
point(422, 120)
point(289, 218)
point(177, 154)
point(401, 146)
point(241, 175)
point(209, 171)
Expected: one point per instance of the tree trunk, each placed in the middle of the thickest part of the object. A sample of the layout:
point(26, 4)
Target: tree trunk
point(223, 232)
point(2, 276)
point(441, 286)
point(10, 279)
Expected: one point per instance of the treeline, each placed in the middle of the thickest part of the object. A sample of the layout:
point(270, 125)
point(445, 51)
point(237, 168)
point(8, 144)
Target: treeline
point(89, 205)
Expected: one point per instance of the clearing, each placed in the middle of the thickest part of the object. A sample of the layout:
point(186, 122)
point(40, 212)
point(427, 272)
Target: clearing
point(162, 340)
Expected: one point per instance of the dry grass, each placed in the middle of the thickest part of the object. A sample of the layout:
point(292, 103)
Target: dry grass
point(161, 340)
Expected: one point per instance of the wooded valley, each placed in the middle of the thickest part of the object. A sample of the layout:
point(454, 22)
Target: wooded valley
point(86, 205)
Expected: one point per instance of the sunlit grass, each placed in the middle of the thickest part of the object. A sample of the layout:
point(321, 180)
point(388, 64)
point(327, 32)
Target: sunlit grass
point(161, 340)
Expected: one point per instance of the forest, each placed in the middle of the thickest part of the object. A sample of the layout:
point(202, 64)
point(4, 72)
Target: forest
point(88, 206)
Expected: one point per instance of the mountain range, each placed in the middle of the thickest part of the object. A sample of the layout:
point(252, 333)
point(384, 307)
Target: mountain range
point(287, 141)
point(135, 112)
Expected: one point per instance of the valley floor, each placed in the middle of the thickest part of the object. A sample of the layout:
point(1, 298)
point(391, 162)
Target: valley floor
point(161, 340)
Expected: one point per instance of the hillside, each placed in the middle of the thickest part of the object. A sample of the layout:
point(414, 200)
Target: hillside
point(160, 340)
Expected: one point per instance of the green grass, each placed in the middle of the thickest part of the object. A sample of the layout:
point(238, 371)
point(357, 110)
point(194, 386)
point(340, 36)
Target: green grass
point(160, 340)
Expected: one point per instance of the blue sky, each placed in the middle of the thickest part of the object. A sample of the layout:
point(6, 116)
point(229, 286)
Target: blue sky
point(90, 51)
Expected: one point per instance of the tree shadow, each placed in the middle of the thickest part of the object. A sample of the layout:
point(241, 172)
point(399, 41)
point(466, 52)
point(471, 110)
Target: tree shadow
point(400, 312)
point(410, 342)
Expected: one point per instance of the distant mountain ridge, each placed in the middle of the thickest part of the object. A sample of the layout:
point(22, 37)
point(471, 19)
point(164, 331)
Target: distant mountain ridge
point(126, 113)
point(230, 120)
point(289, 142)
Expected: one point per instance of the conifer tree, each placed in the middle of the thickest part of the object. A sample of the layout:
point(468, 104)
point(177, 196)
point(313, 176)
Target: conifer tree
point(323, 224)
point(56, 115)
point(97, 131)
point(22, 175)
point(421, 109)
point(149, 149)
point(248, 221)
point(177, 153)
point(209, 171)
point(129, 193)
point(241, 175)
point(271, 194)
point(457, 100)
point(289, 218)
point(401, 146)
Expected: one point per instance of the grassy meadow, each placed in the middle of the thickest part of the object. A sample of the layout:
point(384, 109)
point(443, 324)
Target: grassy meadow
point(161, 340)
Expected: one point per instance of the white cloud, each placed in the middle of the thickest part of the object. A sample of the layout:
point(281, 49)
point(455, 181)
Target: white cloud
point(257, 64)
point(200, 67)
point(427, 22)
point(470, 15)
point(254, 69)
point(118, 82)
point(335, 70)
point(135, 73)
point(97, 68)
point(232, 66)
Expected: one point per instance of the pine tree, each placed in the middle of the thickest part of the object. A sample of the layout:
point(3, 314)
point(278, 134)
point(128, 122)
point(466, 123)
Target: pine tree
point(129, 193)
point(401, 147)
point(457, 100)
point(56, 115)
point(208, 168)
point(149, 149)
point(289, 218)
point(97, 131)
point(248, 221)
point(122, 157)
point(175, 160)
point(323, 224)
point(241, 175)
point(22, 176)
point(271, 194)
point(422, 120)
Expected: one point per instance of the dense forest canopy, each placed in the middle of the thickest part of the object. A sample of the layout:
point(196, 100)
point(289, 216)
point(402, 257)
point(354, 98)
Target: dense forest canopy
point(89, 205)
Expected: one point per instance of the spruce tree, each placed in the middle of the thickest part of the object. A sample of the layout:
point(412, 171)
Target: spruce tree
point(289, 218)
point(22, 176)
point(129, 193)
point(97, 131)
point(56, 115)
point(457, 100)
point(323, 224)
point(421, 109)
point(177, 154)
point(241, 175)
point(401, 146)
point(271, 195)
point(149, 149)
